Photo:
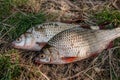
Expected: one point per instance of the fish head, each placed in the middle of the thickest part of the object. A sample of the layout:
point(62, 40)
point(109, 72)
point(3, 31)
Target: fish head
point(52, 55)
point(25, 41)
point(42, 58)
point(49, 55)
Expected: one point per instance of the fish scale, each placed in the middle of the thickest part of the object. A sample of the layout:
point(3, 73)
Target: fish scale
point(53, 28)
point(76, 44)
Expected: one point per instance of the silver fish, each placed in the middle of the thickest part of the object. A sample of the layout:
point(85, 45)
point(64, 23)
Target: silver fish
point(75, 44)
point(36, 37)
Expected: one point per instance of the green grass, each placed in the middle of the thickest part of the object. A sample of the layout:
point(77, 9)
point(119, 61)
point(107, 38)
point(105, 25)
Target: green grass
point(4, 9)
point(9, 70)
point(17, 22)
point(22, 22)
point(108, 15)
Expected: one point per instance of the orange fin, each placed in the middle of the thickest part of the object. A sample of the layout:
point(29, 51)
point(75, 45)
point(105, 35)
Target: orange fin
point(41, 44)
point(69, 59)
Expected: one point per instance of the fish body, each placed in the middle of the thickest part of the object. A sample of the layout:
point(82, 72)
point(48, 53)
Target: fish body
point(75, 44)
point(36, 37)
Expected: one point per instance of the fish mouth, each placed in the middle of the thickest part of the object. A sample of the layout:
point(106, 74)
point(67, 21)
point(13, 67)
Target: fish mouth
point(13, 45)
point(36, 61)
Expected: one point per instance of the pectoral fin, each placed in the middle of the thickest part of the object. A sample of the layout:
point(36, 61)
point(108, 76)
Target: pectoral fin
point(41, 44)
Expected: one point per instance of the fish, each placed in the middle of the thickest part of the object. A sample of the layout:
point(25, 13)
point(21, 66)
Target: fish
point(36, 38)
point(75, 44)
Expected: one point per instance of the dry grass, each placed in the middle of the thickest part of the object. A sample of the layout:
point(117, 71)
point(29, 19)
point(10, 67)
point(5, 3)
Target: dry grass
point(17, 63)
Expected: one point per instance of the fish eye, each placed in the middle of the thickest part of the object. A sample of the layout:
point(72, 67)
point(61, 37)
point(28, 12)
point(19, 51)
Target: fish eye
point(18, 40)
point(42, 56)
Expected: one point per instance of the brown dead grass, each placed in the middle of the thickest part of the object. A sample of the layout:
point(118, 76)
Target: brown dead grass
point(104, 67)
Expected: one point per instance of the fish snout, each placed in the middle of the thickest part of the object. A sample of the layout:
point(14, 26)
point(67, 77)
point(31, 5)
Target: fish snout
point(13, 44)
point(36, 60)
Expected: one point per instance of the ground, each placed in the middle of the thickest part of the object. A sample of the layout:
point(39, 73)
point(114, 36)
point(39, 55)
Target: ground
point(16, 16)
